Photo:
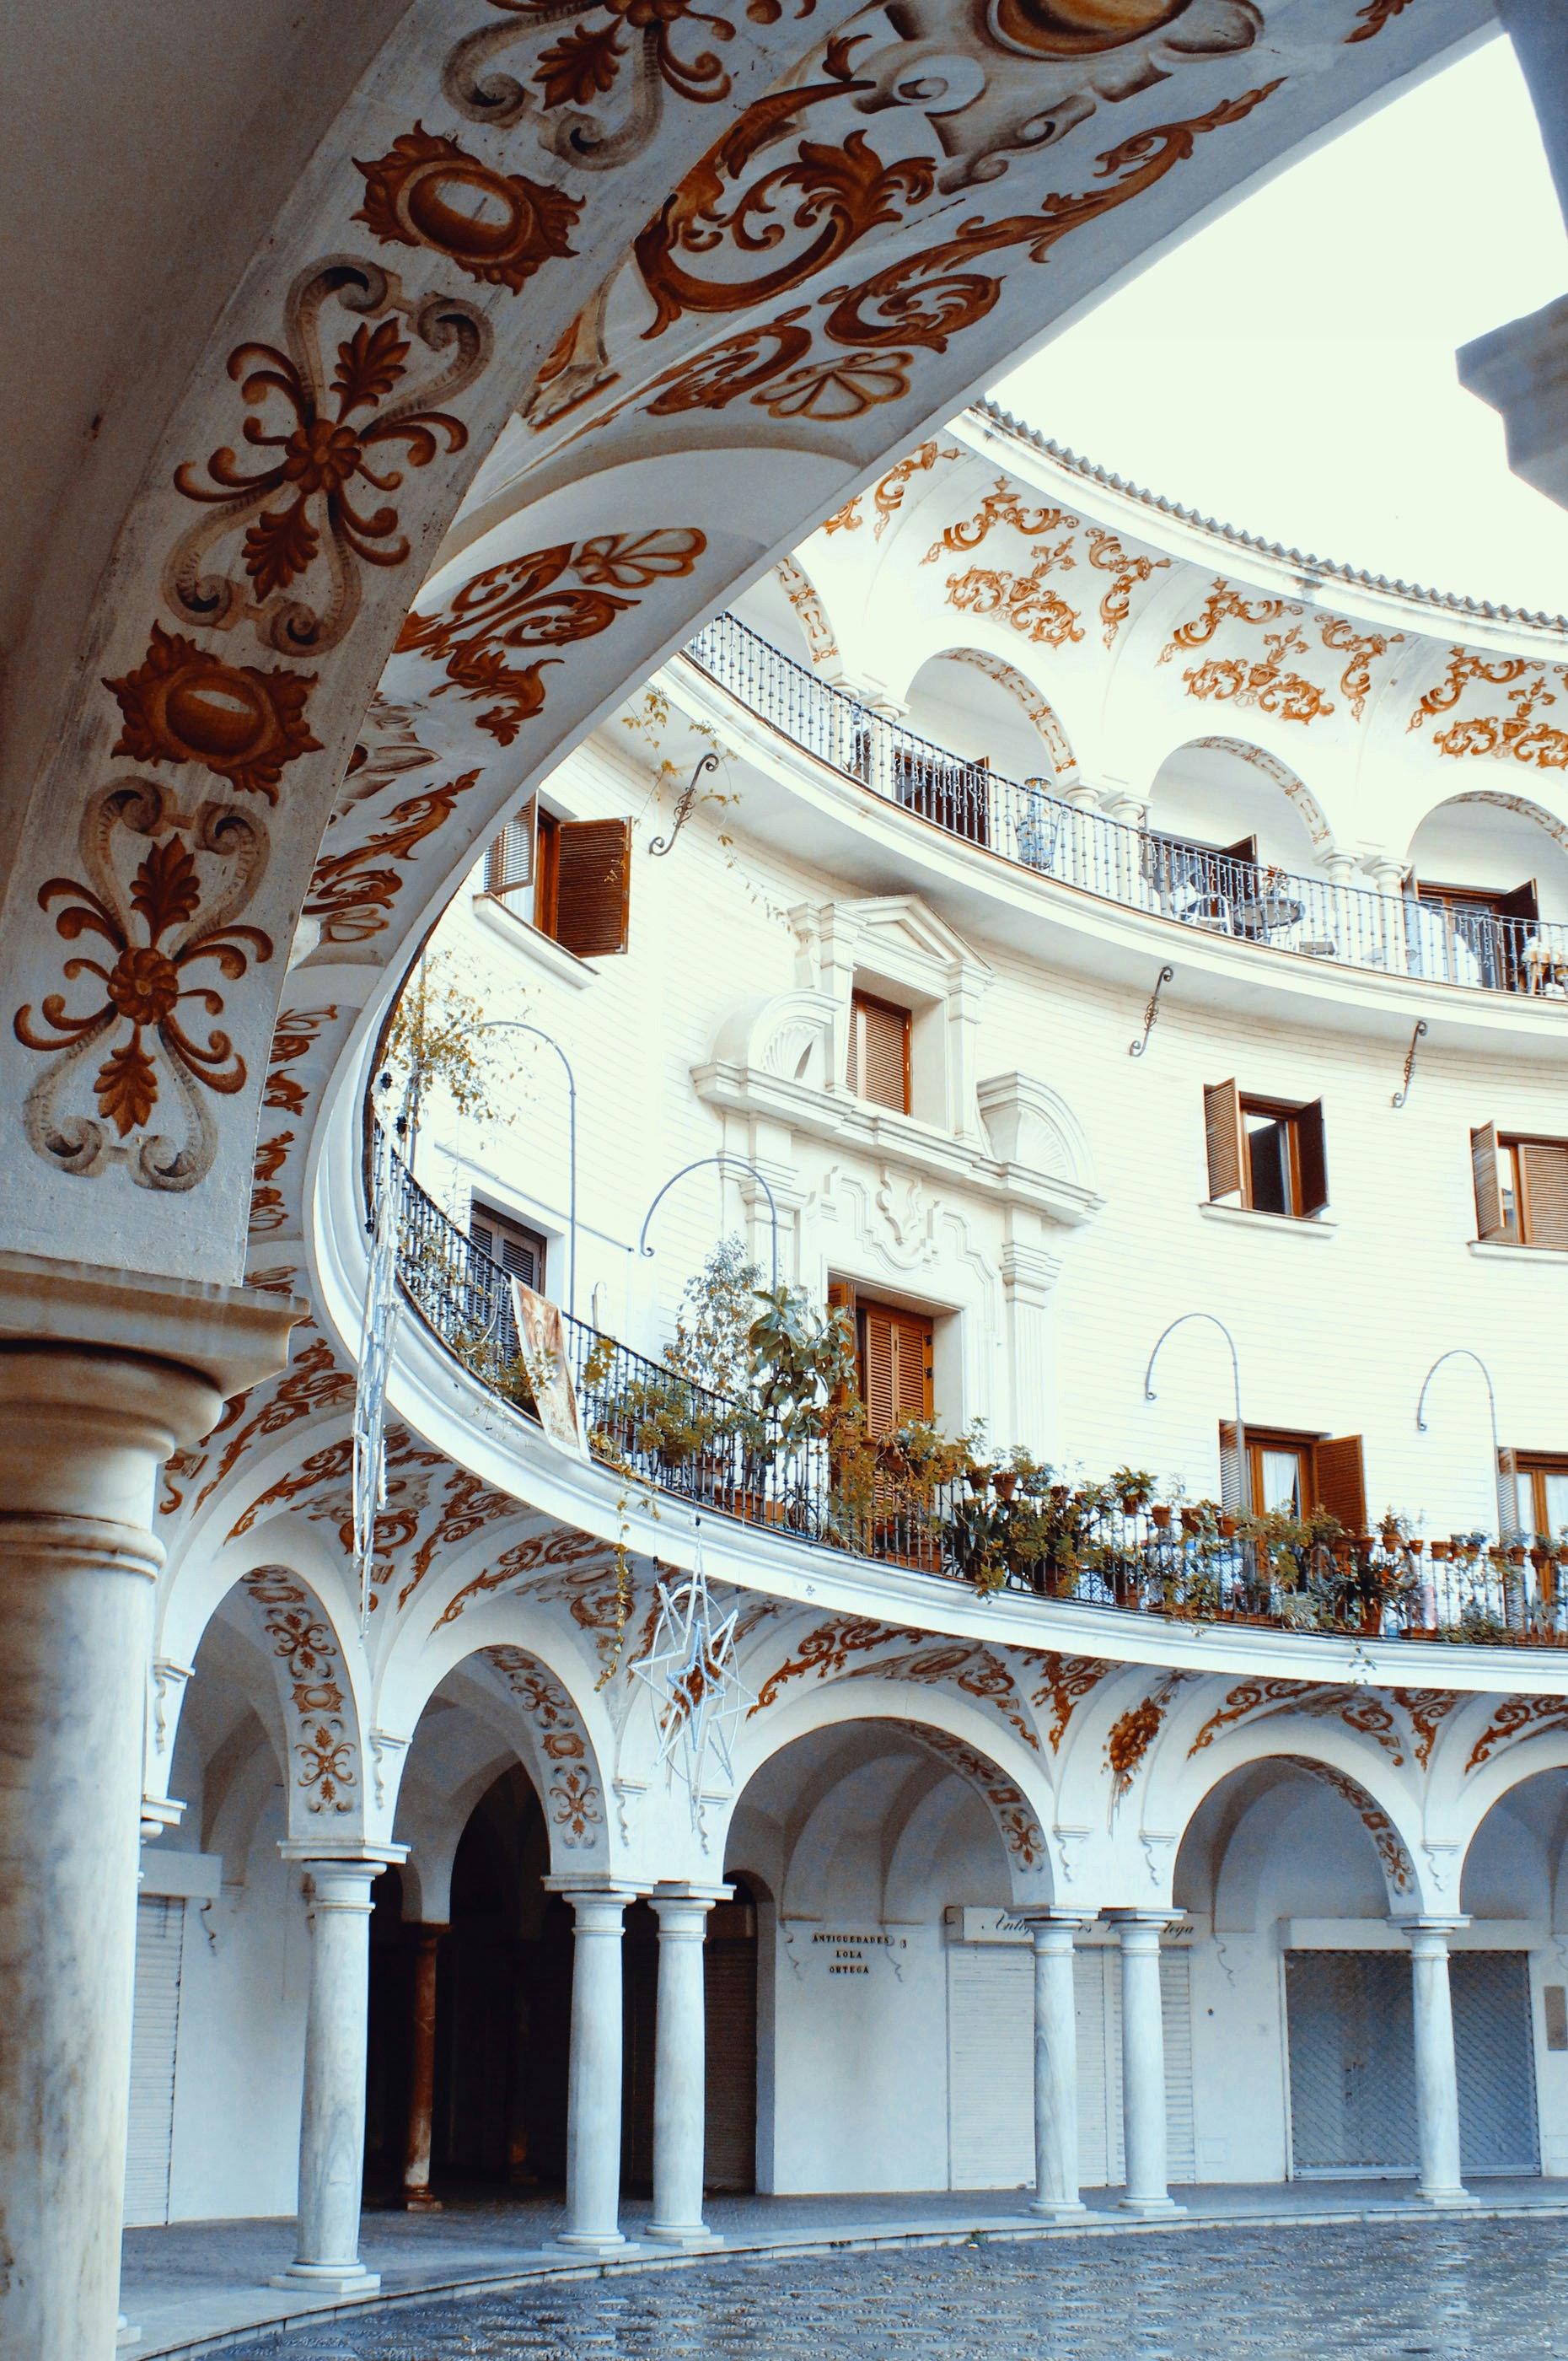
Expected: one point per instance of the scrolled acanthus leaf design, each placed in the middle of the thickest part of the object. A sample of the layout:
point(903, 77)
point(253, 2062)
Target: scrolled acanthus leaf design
point(170, 931)
point(921, 301)
point(325, 424)
point(498, 226)
point(547, 599)
point(585, 63)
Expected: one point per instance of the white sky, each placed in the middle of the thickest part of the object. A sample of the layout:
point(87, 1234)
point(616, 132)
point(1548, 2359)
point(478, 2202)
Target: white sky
point(1289, 370)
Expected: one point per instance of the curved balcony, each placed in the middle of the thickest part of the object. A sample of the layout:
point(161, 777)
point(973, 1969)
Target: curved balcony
point(989, 1530)
point(1025, 824)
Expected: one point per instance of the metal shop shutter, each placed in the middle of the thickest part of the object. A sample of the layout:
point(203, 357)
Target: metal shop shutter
point(991, 2066)
point(161, 1935)
point(1175, 2014)
point(990, 2035)
point(730, 2004)
point(1352, 2075)
point(1494, 2052)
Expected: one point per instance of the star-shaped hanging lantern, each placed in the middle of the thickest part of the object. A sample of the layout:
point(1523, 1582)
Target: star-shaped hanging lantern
point(689, 1672)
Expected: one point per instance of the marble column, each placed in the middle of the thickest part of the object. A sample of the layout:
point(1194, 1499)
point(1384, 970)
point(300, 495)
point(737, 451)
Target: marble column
point(1051, 1932)
point(680, 2065)
point(417, 2198)
point(1437, 2085)
point(1142, 2061)
point(593, 2087)
point(331, 2110)
point(103, 1374)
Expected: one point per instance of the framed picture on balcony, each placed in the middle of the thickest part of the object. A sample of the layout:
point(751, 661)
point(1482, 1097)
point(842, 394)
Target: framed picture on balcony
point(543, 1342)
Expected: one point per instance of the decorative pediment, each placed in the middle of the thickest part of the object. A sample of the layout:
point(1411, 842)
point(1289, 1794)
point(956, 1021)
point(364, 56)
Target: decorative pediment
point(895, 936)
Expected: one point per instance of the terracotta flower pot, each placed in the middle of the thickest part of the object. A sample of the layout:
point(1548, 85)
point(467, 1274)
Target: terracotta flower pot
point(1227, 1529)
point(978, 1479)
point(1161, 1518)
point(1005, 1481)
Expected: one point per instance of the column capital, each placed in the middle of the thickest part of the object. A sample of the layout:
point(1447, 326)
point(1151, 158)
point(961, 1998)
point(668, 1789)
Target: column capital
point(231, 1336)
point(1135, 1915)
point(313, 1851)
point(1041, 1916)
point(589, 1886)
point(683, 1889)
point(1434, 1929)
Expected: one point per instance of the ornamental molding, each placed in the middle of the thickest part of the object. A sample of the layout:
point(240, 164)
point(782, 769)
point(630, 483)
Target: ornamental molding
point(892, 1143)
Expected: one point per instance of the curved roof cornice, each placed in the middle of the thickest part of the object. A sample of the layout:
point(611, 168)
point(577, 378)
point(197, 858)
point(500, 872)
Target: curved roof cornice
point(1311, 568)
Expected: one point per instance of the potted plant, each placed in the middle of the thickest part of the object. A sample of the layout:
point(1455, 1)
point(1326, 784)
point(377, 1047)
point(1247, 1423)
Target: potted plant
point(1161, 1518)
point(1133, 1487)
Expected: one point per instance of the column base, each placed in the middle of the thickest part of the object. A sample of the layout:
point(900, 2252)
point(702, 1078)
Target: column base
point(1150, 2209)
point(328, 2278)
point(593, 2241)
point(124, 2333)
point(697, 2240)
point(420, 2201)
point(1055, 2209)
point(1447, 2201)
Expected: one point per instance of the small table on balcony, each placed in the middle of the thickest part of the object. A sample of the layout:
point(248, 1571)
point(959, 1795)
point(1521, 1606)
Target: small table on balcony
point(1267, 915)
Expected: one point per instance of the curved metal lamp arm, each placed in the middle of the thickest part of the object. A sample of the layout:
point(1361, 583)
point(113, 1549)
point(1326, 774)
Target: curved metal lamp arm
point(684, 802)
point(722, 1160)
point(1243, 1469)
point(1507, 1518)
point(517, 1025)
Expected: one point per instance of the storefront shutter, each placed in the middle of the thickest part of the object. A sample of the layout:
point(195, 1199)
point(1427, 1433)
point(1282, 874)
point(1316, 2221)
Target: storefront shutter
point(155, 2025)
point(1483, 1175)
point(1223, 1132)
point(593, 886)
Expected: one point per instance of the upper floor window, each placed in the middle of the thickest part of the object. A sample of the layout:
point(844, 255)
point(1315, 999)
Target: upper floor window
point(1541, 1480)
point(1521, 1189)
point(894, 1358)
point(945, 788)
point(1484, 936)
point(572, 877)
point(1294, 1472)
point(1269, 1152)
point(878, 1051)
point(518, 1251)
point(1206, 885)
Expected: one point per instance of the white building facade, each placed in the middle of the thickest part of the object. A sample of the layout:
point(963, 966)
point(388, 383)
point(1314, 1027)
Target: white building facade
point(1023, 1002)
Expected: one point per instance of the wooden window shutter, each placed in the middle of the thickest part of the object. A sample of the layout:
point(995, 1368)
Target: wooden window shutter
point(1313, 1159)
point(1233, 1491)
point(1546, 1193)
point(1245, 849)
point(593, 886)
point(1341, 1482)
point(509, 861)
point(876, 1368)
point(878, 1052)
point(1222, 1131)
point(896, 1366)
point(1483, 1175)
point(1508, 1492)
point(1522, 905)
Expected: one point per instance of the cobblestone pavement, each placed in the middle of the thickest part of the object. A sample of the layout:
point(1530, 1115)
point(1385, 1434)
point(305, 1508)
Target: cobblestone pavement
point(1492, 2291)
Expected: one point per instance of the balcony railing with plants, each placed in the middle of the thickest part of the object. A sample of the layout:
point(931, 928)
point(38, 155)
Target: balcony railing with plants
point(789, 1452)
point(1025, 823)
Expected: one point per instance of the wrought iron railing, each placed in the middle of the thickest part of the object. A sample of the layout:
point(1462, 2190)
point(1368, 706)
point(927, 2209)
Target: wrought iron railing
point(1025, 822)
point(992, 1529)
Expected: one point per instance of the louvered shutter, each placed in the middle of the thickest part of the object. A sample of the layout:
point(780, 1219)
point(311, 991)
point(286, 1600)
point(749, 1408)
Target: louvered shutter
point(1484, 1177)
point(896, 1366)
point(593, 886)
point(1223, 1133)
point(1233, 1491)
point(879, 1053)
point(876, 1368)
point(509, 862)
point(1341, 1482)
point(1523, 1516)
point(1313, 1159)
point(1546, 1193)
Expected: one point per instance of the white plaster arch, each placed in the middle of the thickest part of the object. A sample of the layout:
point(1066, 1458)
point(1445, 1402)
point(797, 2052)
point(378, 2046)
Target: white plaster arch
point(1275, 775)
point(1031, 700)
point(1366, 1780)
point(1460, 1813)
point(1012, 1782)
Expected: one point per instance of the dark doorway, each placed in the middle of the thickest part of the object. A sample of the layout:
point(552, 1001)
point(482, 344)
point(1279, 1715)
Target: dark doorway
point(730, 1964)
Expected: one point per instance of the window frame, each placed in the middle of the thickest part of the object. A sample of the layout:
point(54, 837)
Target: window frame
point(1228, 1151)
point(502, 1225)
point(1537, 1465)
point(1487, 1142)
point(856, 1061)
